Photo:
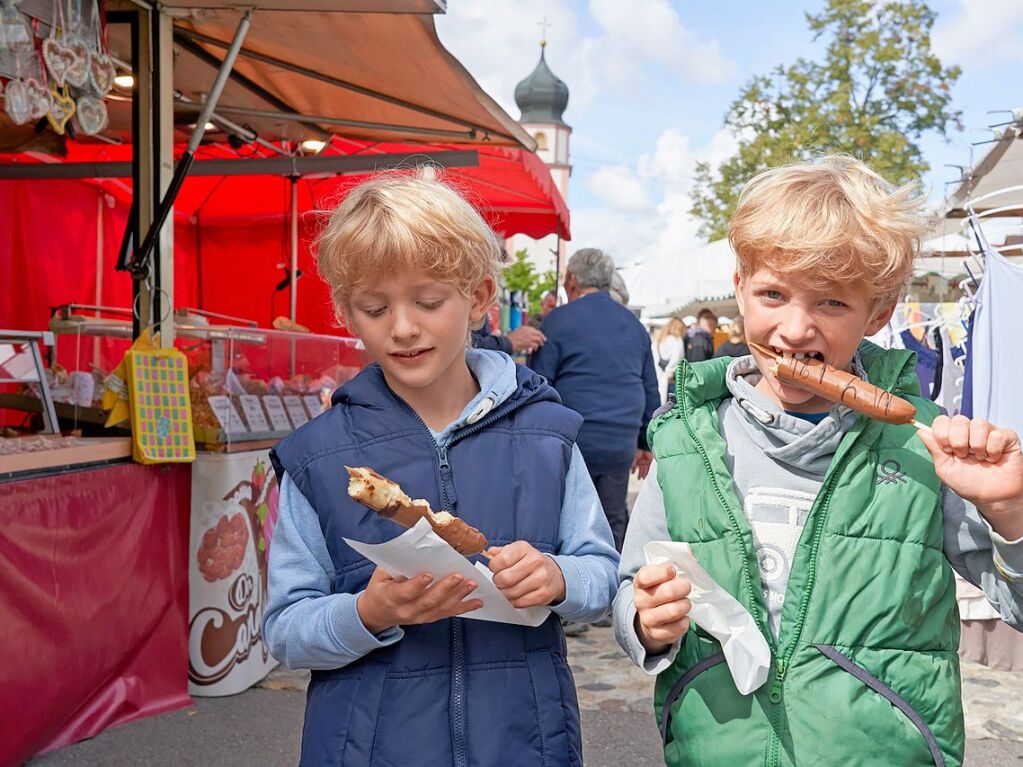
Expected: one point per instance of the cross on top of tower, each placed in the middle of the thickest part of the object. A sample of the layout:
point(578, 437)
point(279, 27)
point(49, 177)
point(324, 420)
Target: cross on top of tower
point(543, 31)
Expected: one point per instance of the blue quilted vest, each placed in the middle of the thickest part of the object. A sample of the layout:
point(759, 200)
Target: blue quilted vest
point(457, 691)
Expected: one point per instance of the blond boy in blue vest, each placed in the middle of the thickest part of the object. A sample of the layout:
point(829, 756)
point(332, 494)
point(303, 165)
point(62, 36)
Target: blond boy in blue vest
point(839, 534)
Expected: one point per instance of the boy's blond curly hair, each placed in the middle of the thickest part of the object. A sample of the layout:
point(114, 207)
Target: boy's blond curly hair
point(829, 221)
point(401, 221)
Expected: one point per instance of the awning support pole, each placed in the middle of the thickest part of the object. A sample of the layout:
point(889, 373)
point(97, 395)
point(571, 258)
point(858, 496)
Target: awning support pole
point(293, 181)
point(293, 293)
point(139, 264)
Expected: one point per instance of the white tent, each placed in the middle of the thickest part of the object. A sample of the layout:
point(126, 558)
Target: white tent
point(661, 286)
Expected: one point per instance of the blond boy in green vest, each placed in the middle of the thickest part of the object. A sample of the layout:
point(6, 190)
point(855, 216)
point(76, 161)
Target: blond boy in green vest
point(839, 534)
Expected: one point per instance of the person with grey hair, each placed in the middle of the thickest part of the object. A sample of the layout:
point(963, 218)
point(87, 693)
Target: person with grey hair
point(598, 358)
point(619, 291)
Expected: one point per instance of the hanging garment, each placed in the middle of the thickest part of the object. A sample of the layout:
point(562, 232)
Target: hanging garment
point(926, 359)
point(966, 405)
point(950, 395)
point(994, 357)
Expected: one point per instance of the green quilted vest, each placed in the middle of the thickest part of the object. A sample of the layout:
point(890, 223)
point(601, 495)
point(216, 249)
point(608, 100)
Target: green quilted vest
point(865, 670)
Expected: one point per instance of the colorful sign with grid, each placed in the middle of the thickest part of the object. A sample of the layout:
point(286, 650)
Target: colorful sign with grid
point(161, 414)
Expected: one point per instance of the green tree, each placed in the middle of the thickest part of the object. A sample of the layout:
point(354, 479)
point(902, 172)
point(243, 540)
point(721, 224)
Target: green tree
point(878, 89)
point(522, 276)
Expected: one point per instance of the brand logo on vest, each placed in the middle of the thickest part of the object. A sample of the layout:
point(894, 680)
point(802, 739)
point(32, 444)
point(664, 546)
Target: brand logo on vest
point(890, 473)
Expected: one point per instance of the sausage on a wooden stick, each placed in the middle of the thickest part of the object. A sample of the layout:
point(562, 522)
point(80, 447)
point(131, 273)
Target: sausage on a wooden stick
point(839, 386)
point(388, 500)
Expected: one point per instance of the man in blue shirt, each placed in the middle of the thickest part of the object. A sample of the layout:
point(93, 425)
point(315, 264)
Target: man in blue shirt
point(598, 357)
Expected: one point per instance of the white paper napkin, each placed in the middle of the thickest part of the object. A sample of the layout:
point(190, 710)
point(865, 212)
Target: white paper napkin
point(420, 550)
point(719, 614)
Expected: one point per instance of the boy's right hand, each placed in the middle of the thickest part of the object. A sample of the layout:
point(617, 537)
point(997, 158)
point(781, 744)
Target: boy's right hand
point(391, 601)
point(662, 606)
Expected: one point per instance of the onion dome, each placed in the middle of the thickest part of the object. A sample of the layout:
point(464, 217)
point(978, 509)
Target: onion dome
point(542, 96)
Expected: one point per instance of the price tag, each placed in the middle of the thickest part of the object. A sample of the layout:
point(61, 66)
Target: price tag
point(295, 410)
point(223, 409)
point(254, 413)
point(275, 409)
point(313, 405)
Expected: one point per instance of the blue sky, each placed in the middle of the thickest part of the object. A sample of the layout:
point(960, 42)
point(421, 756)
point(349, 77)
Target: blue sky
point(651, 80)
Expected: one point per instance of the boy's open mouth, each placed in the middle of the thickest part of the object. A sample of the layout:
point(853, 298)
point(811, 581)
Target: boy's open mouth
point(799, 355)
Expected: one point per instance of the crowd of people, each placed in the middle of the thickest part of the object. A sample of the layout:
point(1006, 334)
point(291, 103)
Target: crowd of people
point(838, 533)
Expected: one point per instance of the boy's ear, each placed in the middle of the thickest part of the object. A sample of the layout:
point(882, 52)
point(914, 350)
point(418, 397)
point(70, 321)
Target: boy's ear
point(481, 299)
point(739, 298)
point(880, 318)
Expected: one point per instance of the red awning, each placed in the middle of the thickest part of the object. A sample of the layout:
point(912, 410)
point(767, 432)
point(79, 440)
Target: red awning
point(231, 233)
point(512, 188)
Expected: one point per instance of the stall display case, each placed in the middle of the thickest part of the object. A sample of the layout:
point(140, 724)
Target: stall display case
point(248, 386)
point(39, 395)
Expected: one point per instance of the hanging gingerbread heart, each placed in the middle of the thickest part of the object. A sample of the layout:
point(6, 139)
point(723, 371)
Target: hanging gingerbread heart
point(78, 72)
point(102, 73)
point(62, 108)
point(15, 31)
point(59, 59)
point(39, 99)
point(16, 102)
point(91, 115)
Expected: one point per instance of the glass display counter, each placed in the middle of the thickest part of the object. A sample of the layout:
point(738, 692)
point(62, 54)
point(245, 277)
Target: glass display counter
point(247, 385)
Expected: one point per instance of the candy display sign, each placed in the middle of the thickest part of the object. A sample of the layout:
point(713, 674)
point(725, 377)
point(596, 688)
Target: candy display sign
point(234, 511)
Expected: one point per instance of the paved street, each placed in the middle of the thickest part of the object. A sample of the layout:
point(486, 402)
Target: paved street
point(263, 726)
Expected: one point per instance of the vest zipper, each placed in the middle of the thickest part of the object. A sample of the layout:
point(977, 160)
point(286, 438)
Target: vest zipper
point(819, 520)
point(458, 692)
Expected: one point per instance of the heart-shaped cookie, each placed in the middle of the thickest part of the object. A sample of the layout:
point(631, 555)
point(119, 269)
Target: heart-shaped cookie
point(15, 31)
point(62, 108)
point(102, 73)
point(58, 59)
point(39, 98)
point(91, 115)
point(78, 72)
point(16, 102)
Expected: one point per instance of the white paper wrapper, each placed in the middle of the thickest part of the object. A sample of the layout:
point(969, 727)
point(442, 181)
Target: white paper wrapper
point(420, 550)
point(719, 614)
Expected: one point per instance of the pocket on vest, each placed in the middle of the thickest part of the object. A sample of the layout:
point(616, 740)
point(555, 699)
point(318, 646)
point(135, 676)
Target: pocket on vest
point(523, 713)
point(412, 719)
point(328, 721)
point(877, 723)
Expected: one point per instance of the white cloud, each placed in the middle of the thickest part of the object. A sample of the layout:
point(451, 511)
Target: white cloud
point(980, 32)
point(652, 29)
point(631, 232)
point(620, 188)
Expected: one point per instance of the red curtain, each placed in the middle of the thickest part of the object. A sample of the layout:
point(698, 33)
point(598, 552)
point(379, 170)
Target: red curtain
point(50, 231)
point(93, 603)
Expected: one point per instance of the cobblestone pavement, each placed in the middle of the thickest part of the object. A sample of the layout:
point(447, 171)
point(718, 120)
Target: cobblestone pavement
point(263, 726)
point(607, 681)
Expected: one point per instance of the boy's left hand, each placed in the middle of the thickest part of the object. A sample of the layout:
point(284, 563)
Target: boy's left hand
point(981, 463)
point(526, 577)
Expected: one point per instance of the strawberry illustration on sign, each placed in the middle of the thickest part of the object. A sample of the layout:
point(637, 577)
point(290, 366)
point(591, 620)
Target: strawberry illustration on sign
point(258, 496)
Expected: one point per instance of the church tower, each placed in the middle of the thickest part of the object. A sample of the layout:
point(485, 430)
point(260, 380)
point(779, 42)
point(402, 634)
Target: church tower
point(542, 98)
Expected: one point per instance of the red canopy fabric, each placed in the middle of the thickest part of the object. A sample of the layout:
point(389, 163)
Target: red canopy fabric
point(232, 234)
point(512, 188)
